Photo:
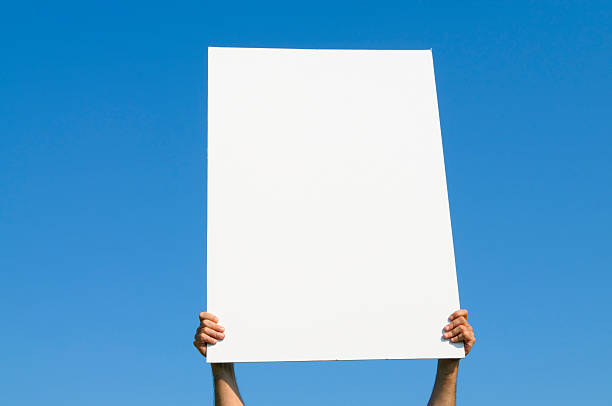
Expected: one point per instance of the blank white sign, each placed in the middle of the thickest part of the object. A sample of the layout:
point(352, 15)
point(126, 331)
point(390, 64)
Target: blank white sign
point(329, 234)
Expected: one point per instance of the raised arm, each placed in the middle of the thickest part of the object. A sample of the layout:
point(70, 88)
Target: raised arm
point(224, 378)
point(458, 330)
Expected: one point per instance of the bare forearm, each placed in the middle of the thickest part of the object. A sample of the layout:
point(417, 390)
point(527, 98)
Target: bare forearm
point(445, 387)
point(226, 388)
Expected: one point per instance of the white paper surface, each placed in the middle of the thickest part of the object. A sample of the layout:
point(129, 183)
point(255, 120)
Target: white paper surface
point(329, 234)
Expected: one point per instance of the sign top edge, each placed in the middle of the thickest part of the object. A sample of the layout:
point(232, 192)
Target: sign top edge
point(210, 48)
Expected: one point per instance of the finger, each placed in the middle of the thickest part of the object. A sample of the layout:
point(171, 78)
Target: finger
point(459, 313)
point(208, 316)
point(457, 338)
point(202, 332)
point(457, 322)
point(213, 325)
point(205, 338)
point(213, 333)
point(454, 332)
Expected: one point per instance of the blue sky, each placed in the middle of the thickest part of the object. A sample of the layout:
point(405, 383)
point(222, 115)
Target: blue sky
point(102, 204)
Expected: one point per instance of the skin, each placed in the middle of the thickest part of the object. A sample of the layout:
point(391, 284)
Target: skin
point(457, 330)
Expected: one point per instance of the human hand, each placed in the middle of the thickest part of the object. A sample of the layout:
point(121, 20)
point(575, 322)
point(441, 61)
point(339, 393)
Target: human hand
point(459, 330)
point(208, 333)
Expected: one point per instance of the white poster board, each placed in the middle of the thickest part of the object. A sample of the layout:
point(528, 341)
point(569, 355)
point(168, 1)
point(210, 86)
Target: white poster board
point(329, 234)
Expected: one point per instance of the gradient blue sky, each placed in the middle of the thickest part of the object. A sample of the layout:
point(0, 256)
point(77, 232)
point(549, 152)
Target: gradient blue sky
point(102, 204)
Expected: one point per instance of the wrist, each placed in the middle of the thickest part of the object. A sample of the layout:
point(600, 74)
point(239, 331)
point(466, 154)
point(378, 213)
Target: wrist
point(222, 369)
point(448, 366)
